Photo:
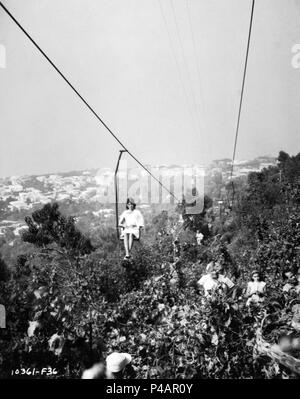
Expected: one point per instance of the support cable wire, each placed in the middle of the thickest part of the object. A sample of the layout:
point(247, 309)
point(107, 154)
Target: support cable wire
point(241, 100)
point(185, 63)
point(83, 100)
point(177, 66)
point(197, 60)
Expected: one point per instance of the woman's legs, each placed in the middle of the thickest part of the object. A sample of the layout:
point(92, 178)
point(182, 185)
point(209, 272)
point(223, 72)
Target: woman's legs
point(130, 241)
point(126, 243)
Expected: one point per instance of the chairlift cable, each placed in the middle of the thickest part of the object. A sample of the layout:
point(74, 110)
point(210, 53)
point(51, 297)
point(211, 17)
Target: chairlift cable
point(241, 99)
point(185, 62)
point(82, 99)
point(177, 65)
point(196, 61)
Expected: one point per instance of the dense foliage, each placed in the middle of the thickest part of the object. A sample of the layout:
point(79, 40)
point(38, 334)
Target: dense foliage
point(69, 303)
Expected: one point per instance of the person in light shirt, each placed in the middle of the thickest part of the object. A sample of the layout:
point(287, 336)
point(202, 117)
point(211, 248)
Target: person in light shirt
point(297, 288)
point(291, 281)
point(209, 282)
point(199, 237)
point(131, 221)
point(213, 281)
point(256, 289)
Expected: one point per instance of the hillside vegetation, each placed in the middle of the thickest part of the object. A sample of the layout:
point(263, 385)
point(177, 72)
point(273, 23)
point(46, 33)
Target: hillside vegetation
point(69, 301)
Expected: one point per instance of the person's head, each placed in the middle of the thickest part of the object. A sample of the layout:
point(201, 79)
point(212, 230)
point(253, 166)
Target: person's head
point(116, 363)
point(256, 275)
point(218, 266)
point(214, 274)
point(130, 204)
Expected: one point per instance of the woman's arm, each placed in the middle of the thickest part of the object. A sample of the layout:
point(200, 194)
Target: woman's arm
point(247, 291)
point(122, 220)
point(139, 219)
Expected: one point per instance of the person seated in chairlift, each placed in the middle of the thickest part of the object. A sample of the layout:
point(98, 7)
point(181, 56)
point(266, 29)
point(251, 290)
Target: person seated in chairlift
point(131, 221)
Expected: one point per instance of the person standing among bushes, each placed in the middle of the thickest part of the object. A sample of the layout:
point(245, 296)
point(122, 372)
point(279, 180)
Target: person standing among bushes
point(213, 281)
point(291, 281)
point(256, 289)
point(297, 288)
point(176, 249)
point(225, 281)
point(209, 282)
point(199, 237)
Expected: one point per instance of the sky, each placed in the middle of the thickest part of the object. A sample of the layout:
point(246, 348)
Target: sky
point(164, 75)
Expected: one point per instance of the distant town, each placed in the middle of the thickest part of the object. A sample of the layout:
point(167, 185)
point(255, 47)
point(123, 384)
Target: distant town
point(79, 192)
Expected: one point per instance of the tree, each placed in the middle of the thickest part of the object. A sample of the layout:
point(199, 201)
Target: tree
point(282, 159)
point(4, 271)
point(47, 226)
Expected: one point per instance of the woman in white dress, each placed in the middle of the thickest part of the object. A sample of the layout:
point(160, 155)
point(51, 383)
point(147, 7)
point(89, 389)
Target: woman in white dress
point(131, 221)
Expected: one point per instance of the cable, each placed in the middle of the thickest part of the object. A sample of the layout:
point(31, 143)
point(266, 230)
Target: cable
point(185, 62)
point(82, 99)
point(241, 99)
point(196, 59)
point(177, 63)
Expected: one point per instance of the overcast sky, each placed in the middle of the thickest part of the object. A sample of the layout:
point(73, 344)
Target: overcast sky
point(168, 100)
